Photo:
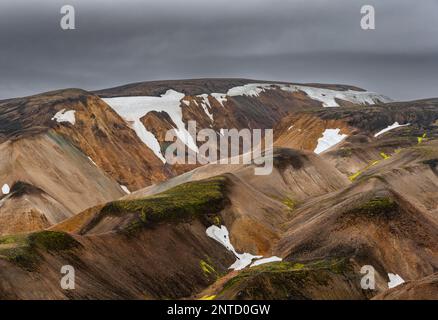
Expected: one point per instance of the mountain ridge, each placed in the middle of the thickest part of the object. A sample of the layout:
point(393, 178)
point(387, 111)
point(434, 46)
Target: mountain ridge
point(354, 182)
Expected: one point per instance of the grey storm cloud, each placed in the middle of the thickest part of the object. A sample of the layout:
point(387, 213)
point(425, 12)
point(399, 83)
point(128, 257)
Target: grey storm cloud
point(297, 40)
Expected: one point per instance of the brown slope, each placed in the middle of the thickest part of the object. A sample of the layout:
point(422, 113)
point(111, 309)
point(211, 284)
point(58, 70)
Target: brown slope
point(302, 131)
point(28, 208)
point(386, 219)
point(62, 179)
point(421, 289)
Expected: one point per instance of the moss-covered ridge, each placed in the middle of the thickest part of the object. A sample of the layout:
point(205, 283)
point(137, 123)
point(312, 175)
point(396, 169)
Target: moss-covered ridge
point(282, 280)
point(377, 206)
point(184, 202)
point(23, 250)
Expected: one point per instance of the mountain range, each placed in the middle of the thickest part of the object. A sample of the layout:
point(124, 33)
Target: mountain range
point(85, 183)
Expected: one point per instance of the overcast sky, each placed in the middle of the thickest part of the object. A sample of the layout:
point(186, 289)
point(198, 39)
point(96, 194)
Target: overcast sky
point(118, 42)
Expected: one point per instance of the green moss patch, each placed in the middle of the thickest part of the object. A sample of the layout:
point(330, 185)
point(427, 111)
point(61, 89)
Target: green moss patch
point(197, 199)
point(379, 210)
point(355, 175)
point(379, 206)
point(290, 203)
point(384, 155)
point(421, 138)
point(281, 280)
point(208, 270)
point(22, 250)
point(12, 239)
point(52, 240)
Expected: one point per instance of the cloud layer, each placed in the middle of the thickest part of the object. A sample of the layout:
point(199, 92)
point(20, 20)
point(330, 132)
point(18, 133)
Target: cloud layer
point(301, 41)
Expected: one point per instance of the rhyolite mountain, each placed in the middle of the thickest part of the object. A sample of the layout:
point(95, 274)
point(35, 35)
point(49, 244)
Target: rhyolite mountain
point(80, 149)
point(354, 183)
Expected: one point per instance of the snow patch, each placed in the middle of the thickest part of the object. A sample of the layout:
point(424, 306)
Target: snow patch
point(221, 235)
point(392, 126)
point(394, 280)
point(330, 137)
point(205, 104)
point(65, 116)
point(250, 89)
point(290, 127)
point(6, 189)
point(124, 188)
point(265, 260)
point(243, 260)
point(328, 97)
point(220, 97)
point(132, 109)
point(91, 160)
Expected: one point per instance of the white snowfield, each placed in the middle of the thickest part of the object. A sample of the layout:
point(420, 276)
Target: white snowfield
point(65, 116)
point(250, 89)
point(394, 280)
point(265, 260)
point(220, 97)
point(330, 137)
point(125, 188)
point(132, 109)
point(243, 260)
point(392, 126)
point(6, 189)
point(326, 96)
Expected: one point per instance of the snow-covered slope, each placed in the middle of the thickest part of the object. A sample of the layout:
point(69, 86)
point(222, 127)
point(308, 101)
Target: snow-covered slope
point(330, 137)
point(243, 260)
point(65, 116)
point(132, 109)
point(327, 97)
point(389, 128)
point(173, 103)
